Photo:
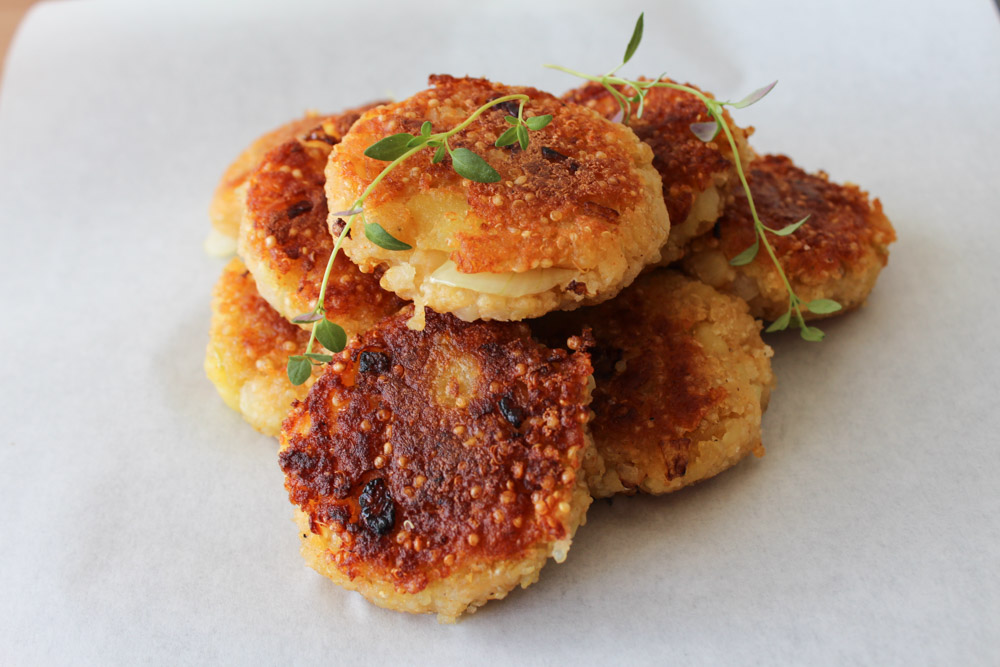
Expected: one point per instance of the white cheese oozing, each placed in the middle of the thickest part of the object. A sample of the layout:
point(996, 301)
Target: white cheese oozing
point(509, 284)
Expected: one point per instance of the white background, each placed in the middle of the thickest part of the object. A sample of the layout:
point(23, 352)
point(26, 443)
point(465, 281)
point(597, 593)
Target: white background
point(142, 521)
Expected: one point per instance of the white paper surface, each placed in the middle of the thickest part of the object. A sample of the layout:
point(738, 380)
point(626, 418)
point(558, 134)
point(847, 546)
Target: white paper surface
point(141, 521)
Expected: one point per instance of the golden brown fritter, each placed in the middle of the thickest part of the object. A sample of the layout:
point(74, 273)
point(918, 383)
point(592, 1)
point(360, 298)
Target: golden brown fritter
point(436, 470)
point(286, 244)
point(226, 209)
point(682, 380)
point(695, 174)
point(249, 345)
point(580, 208)
point(837, 254)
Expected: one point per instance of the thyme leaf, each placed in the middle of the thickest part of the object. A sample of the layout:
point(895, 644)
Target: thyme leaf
point(299, 369)
point(823, 306)
point(376, 233)
point(469, 165)
point(633, 43)
point(390, 148)
point(331, 336)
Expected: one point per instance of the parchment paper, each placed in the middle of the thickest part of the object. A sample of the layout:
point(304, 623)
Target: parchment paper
point(141, 521)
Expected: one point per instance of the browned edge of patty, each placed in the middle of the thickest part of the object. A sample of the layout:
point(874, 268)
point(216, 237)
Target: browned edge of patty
point(665, 365)
point(836, 254)
point(286, 237)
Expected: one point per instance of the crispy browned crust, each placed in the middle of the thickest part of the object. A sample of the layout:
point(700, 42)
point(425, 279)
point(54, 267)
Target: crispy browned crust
point(249, 344)
point(226, 208)
point(467, 437)
point(250, 322)
point(837, 254)
point(285, 240)
point(677, 365)
point(576, 179)
point(687, 165)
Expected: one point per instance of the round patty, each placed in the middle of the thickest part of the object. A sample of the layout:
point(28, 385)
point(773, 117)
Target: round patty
point(226, 209)
point(573, 219)
point(286, 244)
point(249, 345)
point(436, 470)
point(696, 175)
point(682, 381)
point(837, 254)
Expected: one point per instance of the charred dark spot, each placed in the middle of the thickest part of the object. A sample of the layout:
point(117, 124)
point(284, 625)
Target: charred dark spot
point(319, 134)
point(335, 514)
point(323, 483)
point(341, 486)
point(510, 107)
point(293, 460)
point(576, 288)
point(337, 227)
point(479, 408)
point(298, 208)
point(604, 360)
point(598, 211)
point(513, 414)
point(553, 155)
point(374, 362)
point(491, 348)
point(676, 453)
point(378, 512)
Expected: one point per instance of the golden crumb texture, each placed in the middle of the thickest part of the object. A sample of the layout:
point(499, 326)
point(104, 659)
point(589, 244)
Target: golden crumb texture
point(583, 198)
point(285, 242)
point(837, 254)
point(435, 470)
point(682, 378)
point(249, 345)
point(696, 174)
point(226, 208)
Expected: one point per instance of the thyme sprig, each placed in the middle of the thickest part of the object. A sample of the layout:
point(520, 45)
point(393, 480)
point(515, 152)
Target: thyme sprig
point(396, 149)
point(708, 131)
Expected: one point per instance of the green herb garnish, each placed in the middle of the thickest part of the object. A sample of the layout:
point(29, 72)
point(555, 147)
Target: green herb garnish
point(708, 131)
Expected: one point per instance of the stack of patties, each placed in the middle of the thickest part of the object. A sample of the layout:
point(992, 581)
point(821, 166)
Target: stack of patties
point(450, 450)
point(271, 202)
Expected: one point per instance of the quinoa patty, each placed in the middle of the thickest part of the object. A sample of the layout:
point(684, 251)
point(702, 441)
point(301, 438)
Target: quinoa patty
point(286, 244)
point(696, 175)
point(436, 470)
point(249, 345)
point(682, 380)
point(226, 209)
point(573, 220)
point(837, 254)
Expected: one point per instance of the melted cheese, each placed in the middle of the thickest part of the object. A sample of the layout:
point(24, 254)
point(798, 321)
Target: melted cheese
point(509, 284)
